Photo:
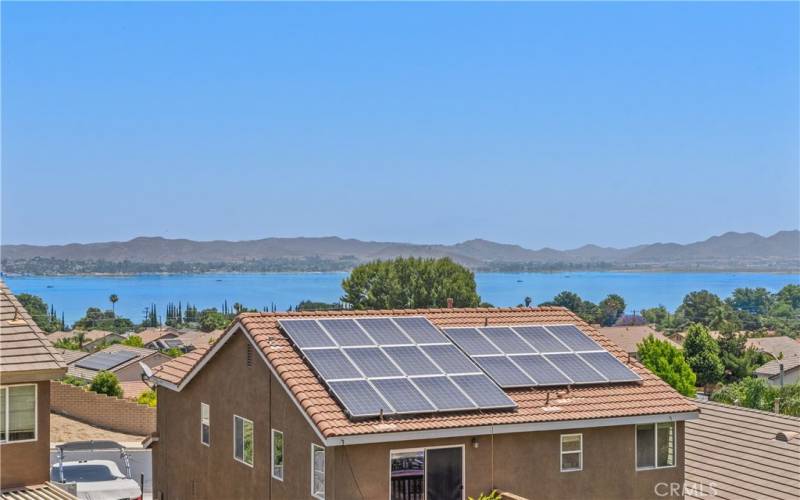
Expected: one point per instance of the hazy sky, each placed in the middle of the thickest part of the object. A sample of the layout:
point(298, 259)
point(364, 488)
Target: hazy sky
point(537, 124)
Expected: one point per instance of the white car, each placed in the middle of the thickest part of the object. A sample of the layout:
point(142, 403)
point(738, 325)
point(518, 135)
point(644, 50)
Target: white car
point(95, 479)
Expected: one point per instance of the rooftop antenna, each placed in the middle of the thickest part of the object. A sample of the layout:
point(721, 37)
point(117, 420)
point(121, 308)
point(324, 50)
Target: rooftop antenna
point(486, 321)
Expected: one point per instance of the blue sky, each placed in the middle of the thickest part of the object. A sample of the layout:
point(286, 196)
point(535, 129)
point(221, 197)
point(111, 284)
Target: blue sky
point(537, 124)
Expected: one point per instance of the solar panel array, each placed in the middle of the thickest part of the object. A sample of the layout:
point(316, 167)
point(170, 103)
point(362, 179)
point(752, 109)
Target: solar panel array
point(105, 360)
point(536, 355)
point(392, 365)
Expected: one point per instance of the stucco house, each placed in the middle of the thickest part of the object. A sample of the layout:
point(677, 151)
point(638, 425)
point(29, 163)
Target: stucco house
point(779, 372)
point(304, 405)
point(27, 364)
point(629, 337)
point(121, 360)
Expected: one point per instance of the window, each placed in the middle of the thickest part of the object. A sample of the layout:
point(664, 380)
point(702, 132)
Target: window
point(243, 440)
point(18, 413)
point(317, 471)
point(571, 452)
point(277, 454)
point(655, 445)
point(205, 424)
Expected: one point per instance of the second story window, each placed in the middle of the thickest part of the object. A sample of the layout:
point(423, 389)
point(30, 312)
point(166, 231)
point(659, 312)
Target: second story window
point(655, 445)
point(318, 472)
point(571, 452)
point(205, 424)
point(243, 440)
point(277, 454)
point(18, 413)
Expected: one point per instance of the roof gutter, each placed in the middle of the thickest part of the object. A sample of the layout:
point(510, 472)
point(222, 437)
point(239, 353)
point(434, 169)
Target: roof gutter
point(388, 437)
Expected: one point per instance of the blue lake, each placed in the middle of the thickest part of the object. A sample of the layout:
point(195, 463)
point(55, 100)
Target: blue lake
point(73, 294)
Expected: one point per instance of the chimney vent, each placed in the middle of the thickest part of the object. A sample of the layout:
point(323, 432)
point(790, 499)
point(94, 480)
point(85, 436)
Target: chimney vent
point(449, 302)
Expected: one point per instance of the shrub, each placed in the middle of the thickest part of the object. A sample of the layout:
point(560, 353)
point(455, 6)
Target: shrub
point(148, 398)
point(106, 383)
point(72, 380)
point(493, 495)
point(133, 341)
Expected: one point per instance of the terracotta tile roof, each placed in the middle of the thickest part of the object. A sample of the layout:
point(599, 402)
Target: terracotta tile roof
point(651, 397)
point(90, 335)
point(47, 491)
point(627, 337)
point(735, 449)
point(23, 346)
point(152, 334)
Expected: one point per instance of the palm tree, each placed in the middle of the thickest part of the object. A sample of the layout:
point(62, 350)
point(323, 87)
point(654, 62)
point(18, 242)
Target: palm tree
point(113, 299)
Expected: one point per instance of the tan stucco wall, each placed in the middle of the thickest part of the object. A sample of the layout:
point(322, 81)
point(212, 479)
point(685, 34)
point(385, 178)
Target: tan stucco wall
point(184, 468)
point(133, 372)
point(29, 463)
point(526, 463)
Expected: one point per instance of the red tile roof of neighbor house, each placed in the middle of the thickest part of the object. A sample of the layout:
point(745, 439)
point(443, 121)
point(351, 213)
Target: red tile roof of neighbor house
point(651, 397)
point(25, 350)
point(629, 337)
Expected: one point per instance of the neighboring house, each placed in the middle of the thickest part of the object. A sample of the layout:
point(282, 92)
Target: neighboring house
point(93, 338)
point(771, 371)
point(150, 336)
point(776, 346)
point(628, 337)
point(630, 320)
point(121, 360)
point(738, 454)
point(27, 364)
point(197, 339)
point(69, 356)
point(250, 418)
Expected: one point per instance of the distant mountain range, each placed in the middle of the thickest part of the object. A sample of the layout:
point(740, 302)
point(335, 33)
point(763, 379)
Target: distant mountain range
point(730, 251)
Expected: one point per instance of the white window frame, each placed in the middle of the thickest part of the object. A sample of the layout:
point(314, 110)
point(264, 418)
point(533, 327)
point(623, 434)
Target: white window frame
point(579, 452)
point(655, 447)
point(424, 451)
point(35, 414)
point(208, 423)
point(234, 440)
point(315, 447)
point(272, 454)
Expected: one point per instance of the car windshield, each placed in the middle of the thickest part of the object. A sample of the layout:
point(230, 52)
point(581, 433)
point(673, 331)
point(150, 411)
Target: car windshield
point(87, 473)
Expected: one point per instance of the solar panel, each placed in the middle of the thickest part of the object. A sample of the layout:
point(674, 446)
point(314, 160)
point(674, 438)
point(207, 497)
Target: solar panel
point(507, 341)
point(403, 396)
point(450, 359)
point(574, 338)
point(471, 341)
point(575, 368)
point(384, 331)
point(306, 333)
point(541, 370)
point(372, 362)
point(420, 330)
point(610, 366)
point(444, 393)
point(331, 364)
point(391, 365)
point(503, 371)
point(105, 360)
point(538, 355)
point(359, 398)
point(412, 360)
point(346, 332)
point(541, 339)
point(482, 391)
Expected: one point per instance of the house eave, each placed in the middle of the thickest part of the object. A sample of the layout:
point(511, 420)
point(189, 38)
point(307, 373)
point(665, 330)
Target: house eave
point(16, 377)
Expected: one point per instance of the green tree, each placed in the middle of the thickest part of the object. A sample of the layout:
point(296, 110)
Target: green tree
point(106, 383)
point(656, 315)
point(44, 317)
point(133, 341)
point(97, 319)
point(790, 294)
point(699, 307)
point(611, 308)
point(80, 338)
point(588, 311)
point(67, 343)
point(113, 298)
point(665, 360)
point(211, 319)
point(739, 360)
point(408, 283)
point(702, 353)
point(172, 352)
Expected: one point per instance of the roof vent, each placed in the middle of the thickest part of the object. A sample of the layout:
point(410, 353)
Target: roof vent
point(249, 355)
point(449, 302)
point(786, 436)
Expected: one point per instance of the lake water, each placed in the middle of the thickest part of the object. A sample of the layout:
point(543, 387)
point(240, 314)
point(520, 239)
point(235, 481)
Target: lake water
point(73, 294)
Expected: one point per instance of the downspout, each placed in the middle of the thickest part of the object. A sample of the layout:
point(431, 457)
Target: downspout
point(781, 374)
point(492, 459)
